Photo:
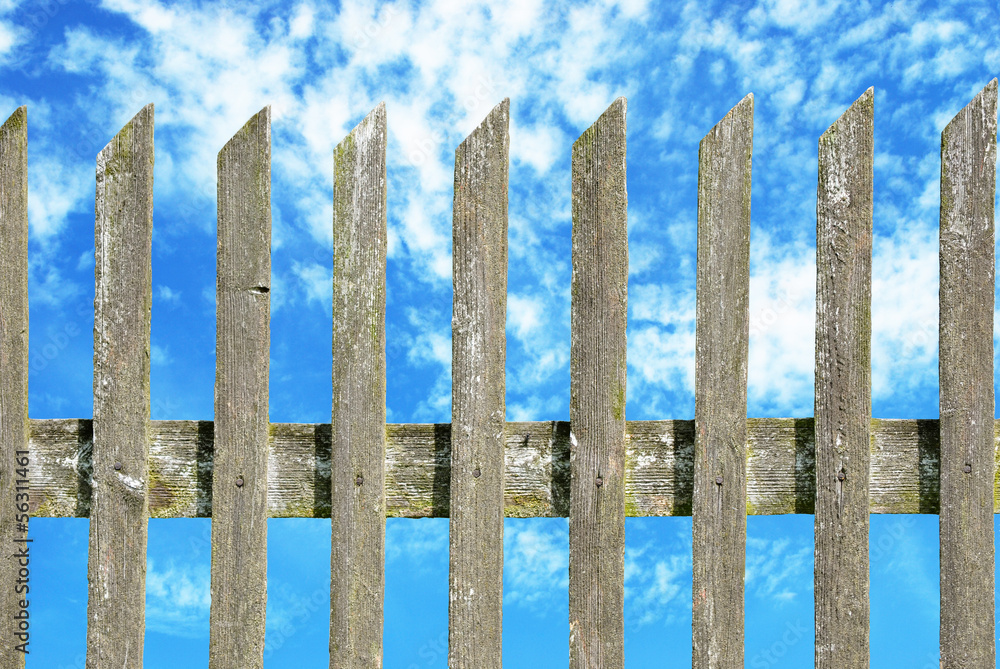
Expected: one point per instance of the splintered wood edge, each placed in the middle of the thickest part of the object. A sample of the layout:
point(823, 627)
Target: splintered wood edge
point(658, 471)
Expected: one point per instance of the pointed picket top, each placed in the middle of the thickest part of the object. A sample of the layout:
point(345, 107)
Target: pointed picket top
point(139, 124)
point(984, 105)
point(862, 109)
point(16, 120)
point(260, 120)
point(497, 119)
point(741, 114)
point(612, 117)
point(366, 127)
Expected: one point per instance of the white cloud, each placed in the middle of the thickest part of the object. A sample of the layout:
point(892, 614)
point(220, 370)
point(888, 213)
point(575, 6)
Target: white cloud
point(159, 355)
point(782, 327)
point(167, 294)
point(525, 314)
point(536, 561)
point(657, 572)
point(417, 542)
point(178, 599)
point(301, 24)
point(316, 281)
point(778, 569)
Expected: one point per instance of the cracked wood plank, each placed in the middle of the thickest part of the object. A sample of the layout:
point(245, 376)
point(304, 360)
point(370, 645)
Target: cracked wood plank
point(721, 340)
point(240, 463)
point(968, 185)
point(597, 394)
point(843, 405)
point(357, 559)
point(475, 583)
point(14, 428)
point(116, 567)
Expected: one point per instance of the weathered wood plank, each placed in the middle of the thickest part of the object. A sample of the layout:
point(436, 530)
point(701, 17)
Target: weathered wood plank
point(478, 326)
point(14, 372)
point(721, 341)
point(357, 588)
point(116, 567)
point(658, 472)
point(240, 462)
point(843, 405)
point(597, 394)
point(968, 186)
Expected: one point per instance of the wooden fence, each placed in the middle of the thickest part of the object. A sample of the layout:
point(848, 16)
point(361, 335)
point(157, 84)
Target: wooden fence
point(121, 468)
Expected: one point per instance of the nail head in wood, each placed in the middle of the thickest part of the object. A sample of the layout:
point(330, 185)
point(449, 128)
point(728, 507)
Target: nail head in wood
point(360, 480)
point(118, 466)
point(841, 476)
point(968, 469)
point(476, 472)
point(718, 480)
point(239, 482)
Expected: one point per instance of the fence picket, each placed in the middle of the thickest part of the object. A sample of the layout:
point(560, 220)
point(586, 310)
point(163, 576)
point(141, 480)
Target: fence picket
point(116, 566)
point(843, 406)
point(357, 503)
point(240, 471)
point(968, 185)
point(721, 339)
point(597, 394)
point(479, 316)
point(14, 428)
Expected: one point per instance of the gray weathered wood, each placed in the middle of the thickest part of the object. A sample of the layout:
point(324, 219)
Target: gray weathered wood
point(659, 461)
point(843, 405)
point(14, 372)
point(721, 340)
point(357, 589)
point(479, 252)
point(968, 185)
point(116, 566)
point(597, 394)
point(240, 473)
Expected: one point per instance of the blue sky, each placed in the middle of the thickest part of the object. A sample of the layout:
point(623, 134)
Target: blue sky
point(84, 69)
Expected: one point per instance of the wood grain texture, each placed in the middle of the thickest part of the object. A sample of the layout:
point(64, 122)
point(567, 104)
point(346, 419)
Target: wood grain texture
point(478, 326)
point(659, 465)
point(843, 405)
point(968, 186)
point(240, 456)
point(721, 341)
point(597, 394)
point(357, 589)
point(14, 428)
point(116, 567)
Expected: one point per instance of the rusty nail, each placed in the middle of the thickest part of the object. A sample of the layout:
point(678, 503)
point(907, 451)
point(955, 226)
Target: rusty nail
point(239, 482)
point(968, 469)
point(476, 472)
point(841, 476)
point(359, 480)
point(718, 480)
point(600, 481)
point(118, 466)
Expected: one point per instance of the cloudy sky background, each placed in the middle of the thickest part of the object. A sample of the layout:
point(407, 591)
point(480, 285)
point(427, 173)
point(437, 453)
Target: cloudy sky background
point(84, 69)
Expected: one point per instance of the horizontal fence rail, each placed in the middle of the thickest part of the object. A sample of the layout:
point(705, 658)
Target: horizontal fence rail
point(659, 466)
point(120, 469)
